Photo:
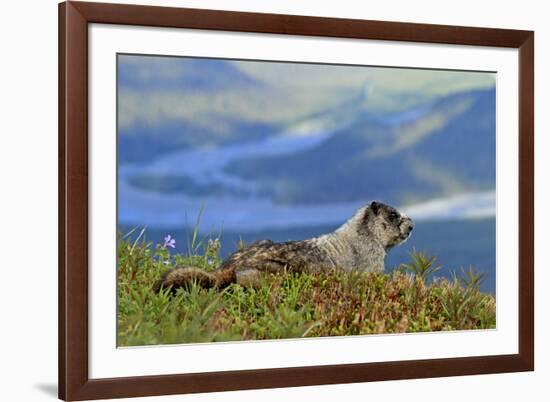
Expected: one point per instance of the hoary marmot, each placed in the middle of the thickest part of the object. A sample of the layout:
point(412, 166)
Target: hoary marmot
point(359, 244)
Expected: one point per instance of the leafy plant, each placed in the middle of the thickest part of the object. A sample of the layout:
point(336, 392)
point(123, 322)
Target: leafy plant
point(471, 279)
point(421, 265)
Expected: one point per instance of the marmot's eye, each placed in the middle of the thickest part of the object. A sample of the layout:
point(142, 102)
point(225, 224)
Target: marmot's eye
point(393, 216)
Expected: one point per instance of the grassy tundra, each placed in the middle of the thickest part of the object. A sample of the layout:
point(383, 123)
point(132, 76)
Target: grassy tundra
point(288, 306)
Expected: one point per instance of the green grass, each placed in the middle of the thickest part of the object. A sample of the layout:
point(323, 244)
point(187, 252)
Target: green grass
point(289, 306)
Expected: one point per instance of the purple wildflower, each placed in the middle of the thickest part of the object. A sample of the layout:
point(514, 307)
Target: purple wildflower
point(169, 242)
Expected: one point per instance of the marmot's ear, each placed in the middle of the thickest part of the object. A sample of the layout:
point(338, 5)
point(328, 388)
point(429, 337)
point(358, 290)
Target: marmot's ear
point(375, 206)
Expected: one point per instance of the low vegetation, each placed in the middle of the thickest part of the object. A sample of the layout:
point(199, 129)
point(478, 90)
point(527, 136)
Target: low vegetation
point(409, 299)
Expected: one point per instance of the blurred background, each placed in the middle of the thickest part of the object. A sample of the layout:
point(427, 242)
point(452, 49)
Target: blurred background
point(287, 151)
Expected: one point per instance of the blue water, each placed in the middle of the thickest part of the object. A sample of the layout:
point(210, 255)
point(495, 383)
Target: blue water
point(456, 244)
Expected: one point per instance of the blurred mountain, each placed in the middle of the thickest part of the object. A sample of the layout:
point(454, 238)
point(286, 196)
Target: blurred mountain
point(143, 143)
point(178, 73)
point(448, 148)
point(166, 104)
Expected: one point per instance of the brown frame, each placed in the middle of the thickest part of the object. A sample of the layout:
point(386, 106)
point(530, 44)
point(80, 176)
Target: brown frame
point(74, 17)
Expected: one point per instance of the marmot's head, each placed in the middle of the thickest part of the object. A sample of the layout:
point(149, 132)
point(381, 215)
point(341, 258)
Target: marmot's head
point(389, 226)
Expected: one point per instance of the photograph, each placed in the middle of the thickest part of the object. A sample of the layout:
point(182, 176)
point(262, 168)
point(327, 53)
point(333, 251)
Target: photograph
point(272, 199)
point(265, 198)
point(275, 201)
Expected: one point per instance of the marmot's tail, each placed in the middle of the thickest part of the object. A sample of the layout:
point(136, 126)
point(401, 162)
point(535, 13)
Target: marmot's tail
point(186, 276)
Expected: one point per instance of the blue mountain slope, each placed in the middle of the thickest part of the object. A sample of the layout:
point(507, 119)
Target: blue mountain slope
point(143, 143)
point(467, 144)
point(143, 140)
point(451, 148)
point(179, 73)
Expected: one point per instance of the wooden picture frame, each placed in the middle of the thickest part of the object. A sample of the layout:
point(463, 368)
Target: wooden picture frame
point(74, 381)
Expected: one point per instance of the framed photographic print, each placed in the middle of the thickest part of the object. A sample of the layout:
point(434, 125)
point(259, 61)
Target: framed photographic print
point(259, 200)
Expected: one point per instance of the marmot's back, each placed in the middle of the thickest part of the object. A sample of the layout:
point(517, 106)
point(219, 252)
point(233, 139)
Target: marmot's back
point(267, 256)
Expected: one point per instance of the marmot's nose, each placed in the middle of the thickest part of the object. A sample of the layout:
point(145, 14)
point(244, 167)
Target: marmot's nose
point(409, 227)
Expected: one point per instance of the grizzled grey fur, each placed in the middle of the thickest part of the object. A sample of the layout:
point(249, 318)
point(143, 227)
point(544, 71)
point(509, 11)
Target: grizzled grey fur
point(359, 244)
